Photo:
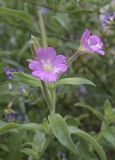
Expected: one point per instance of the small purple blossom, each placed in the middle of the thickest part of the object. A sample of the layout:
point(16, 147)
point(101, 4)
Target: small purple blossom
point(48, 67)
point(10, 117)
point(15, 117)
point(92, 43)
point(8, 71)
point(62, 156)
point(44, 10)
point(108, 19)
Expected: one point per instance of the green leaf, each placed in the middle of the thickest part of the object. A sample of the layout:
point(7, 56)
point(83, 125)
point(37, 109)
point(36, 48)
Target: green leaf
point(74, 81)
point(6, 127)
point(29, 151)
point(109, 135)
point(39, 140)
point(107, 109)
point(62, 19)
point(37, 145)
point(17, 14)
point(88, 138)
point(6, 90)
point(84, 151)
point(14, 144)
point(43, 31)
point(112, 118)
point(27, 79)
point(96, 113)
point(60, 130)
point(32, 126)
point(108, 113)
point(72, 121)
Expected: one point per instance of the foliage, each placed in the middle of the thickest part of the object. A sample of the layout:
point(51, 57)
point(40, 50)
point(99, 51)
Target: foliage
point(83, 128)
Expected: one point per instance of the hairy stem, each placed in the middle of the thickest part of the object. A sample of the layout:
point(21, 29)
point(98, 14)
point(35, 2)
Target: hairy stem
point(73, 57)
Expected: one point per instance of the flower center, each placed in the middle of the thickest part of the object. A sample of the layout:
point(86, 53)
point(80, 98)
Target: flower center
point(98, 46)
point(95, 45)
point(47, 66)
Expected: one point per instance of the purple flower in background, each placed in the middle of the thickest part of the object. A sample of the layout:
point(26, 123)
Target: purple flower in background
point(8, 71)
point(62, 156)
point(48, 67)
point(10, 117)
point(44, 10)
point(15, 117)
point(92, 43)
point(108, 18)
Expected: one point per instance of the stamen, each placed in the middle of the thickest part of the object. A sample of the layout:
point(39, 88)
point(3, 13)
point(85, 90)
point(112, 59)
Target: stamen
point(47, 66)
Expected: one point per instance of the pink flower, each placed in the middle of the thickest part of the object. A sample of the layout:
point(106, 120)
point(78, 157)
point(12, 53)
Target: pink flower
point(92, 43)
point(48, 67)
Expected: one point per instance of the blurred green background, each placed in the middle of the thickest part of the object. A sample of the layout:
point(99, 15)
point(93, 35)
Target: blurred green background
point(65, 22)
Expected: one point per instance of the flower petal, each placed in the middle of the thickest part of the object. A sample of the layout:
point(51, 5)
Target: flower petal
point(40, 53)
point(101, 52)
point(35, 65)
point(60, 64)
point(46, 54)
point(45, 76)
point(85, 35)
point(51, 54)
point(60, 59)
point(96, 40)
point(84, 40)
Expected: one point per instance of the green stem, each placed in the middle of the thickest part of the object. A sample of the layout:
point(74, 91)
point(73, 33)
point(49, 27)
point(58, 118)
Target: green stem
point(53, 99)
point(47, 89)
point(34, 42)
point(46, 95)
point(49, 93)
point(43, 31)
point(73, 58)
